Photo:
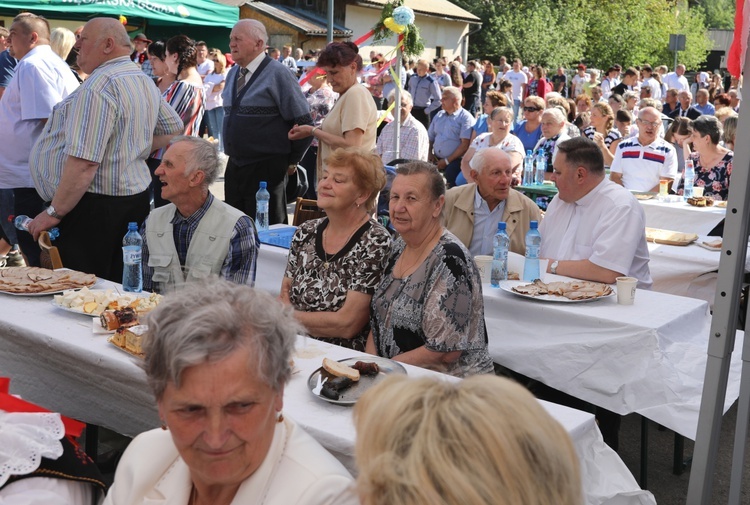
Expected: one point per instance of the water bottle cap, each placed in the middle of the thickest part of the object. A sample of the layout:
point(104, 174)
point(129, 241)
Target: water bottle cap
point(132, 226)
point(533, 225)
point(501, 226)
point(528, 152)
point(263, 185)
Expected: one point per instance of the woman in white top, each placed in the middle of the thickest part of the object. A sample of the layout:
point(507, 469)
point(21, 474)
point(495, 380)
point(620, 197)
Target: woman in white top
point(214, 85)
point(501, 122)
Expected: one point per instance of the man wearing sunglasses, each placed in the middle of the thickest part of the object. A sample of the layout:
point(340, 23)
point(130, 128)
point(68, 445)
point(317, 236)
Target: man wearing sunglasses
point(640, 162)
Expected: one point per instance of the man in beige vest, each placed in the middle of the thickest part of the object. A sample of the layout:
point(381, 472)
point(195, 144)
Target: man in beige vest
point(472, 211)
point(196, 235)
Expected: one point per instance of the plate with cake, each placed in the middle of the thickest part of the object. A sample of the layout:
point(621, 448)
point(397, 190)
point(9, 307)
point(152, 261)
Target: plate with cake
point(343, 382)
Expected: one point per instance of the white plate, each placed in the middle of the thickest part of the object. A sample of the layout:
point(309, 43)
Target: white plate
point(509, 285)
point(365, 382)
point(143, 294)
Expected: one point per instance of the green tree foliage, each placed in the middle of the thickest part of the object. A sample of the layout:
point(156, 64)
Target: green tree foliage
point(719, 13)
point(599, 32)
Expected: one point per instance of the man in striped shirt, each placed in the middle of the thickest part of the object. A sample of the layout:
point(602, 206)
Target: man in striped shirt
point(90, 160)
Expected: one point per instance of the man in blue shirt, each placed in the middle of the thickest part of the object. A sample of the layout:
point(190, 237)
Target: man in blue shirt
point(450, 133)
point(7, 62)
point(425, 92)
point(703, 106)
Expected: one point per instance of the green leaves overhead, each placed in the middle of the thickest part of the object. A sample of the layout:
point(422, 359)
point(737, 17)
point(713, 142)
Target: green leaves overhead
point(598, 32)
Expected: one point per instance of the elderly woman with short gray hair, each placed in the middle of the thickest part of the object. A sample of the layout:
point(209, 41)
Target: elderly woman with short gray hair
point(217, 359)
point(713, 163)
point(428, 309)
point(553, 133)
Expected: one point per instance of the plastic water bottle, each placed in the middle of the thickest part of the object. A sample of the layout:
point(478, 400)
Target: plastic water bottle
point(132, 248)
point(23, 222)
point(541, 167)
point(687, 191)
point(528, 168)
point(533, 244)
point(261, 207)
point(500, 243)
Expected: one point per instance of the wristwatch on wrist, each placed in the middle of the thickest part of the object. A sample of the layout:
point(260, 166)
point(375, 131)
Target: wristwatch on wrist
point(553, 267)
point(52, 212)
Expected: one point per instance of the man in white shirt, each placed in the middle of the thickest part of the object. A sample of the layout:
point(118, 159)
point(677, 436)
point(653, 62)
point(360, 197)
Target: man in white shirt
point(576, 85)
point(640, 162)
point(41, 80)
point(676, 80)
point(519, 80)
point(593, 229)
point(649, 82)
point(205, 65)
point(414, 142)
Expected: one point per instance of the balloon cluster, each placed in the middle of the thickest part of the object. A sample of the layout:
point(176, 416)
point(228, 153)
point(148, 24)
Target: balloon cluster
point(403, 15)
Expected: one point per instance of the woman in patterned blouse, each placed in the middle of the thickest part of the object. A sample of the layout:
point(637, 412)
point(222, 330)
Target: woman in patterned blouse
point(713, 163)
point(428, 310)
point(336, 262)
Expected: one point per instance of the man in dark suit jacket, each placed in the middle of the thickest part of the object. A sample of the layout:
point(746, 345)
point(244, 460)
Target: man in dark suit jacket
point(685, 110)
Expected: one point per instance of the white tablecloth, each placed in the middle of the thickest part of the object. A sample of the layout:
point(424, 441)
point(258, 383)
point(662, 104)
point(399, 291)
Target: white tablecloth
point(55, 360)
point(680, 216)
point(686, 270)
point(648, 358)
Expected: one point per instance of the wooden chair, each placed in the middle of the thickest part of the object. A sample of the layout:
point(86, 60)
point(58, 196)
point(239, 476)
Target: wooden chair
point(305, 210)
point(50, 256)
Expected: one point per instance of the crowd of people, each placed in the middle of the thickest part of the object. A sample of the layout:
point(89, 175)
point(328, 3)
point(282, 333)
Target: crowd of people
point(112, 136)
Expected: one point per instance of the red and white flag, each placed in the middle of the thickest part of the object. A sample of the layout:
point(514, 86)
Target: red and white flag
point(737, 51)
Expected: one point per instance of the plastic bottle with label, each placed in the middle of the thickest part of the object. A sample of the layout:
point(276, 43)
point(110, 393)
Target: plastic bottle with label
point(501, 243)
point(132, 249)
point(261, 207)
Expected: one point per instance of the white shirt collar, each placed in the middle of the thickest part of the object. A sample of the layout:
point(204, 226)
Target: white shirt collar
point(253, 65)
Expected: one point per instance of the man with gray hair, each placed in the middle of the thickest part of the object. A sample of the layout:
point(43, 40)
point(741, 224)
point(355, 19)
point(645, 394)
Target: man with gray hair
point(90, 160)
point(263, 102)
point(685, 108)
point(472, 211)
point(676, 80)
point(414, 143)
point(450, 134)
point(196, 234)
point(642, 161)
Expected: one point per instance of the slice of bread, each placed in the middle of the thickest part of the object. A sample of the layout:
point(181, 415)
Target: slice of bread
point(340, 370)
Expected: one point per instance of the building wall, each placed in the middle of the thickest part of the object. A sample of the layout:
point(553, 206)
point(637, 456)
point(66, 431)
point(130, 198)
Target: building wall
point(280, 34)
point(437, 33)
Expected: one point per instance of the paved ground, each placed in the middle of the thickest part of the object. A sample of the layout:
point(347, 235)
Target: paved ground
point(669, 489)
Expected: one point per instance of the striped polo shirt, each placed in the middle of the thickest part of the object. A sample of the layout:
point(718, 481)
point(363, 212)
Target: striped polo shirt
point(110, 120)
point(642, 166)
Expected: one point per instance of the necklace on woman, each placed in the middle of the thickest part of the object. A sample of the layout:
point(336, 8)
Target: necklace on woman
point(327, 259)
point(420, 252)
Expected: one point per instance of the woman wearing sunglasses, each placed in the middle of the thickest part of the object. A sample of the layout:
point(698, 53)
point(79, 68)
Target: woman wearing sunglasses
point(530, 130)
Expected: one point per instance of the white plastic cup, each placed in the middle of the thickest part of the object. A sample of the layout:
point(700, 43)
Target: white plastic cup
point(484, 264)
point(626, 290)
point(698, 191)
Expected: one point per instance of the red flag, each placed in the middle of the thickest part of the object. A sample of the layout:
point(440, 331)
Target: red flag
point(736, 57)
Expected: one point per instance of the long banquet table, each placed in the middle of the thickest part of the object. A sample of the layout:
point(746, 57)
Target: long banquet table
point(55, 360)
point(647, 358)
point(679, 216)
point(686, 270)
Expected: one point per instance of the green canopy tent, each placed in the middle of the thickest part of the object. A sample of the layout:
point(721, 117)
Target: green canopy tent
point(200, 19)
